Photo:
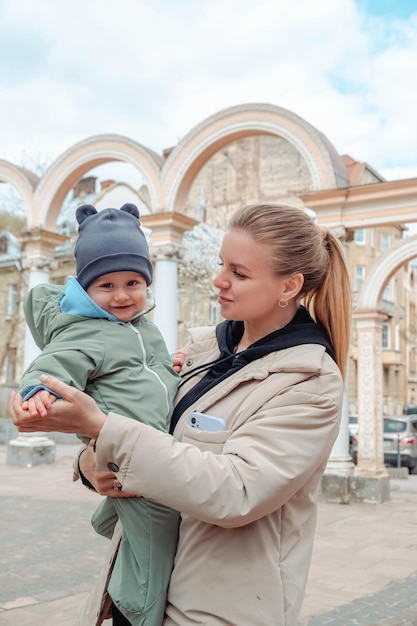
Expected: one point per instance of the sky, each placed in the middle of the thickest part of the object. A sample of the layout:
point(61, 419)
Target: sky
point(153, 69)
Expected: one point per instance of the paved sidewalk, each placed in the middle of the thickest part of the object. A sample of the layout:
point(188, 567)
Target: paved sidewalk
point(364, 569)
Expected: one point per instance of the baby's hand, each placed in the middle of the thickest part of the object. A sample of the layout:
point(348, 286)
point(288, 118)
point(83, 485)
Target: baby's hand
point(178, 360)
point(39, 403)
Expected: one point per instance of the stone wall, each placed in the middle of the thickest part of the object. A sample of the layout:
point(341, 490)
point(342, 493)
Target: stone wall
point(257, 169)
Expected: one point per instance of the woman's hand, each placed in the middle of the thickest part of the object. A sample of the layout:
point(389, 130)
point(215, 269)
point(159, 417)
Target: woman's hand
point(75, 413)
point(104, 483)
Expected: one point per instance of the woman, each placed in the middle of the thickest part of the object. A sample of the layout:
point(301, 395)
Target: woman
point(247, 494)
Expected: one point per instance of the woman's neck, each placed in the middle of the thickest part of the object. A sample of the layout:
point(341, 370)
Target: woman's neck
point(254, 332)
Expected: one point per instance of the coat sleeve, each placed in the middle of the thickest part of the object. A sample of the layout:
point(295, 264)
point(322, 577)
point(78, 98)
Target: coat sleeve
point(66, 359)
point(65, 352)
point(263, 463)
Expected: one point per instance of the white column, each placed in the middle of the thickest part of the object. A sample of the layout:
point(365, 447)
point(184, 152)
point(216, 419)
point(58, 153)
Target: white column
point(370, 413)
point(370, 480)
point(29, 449)
point(340, 461)
point(167, 229)
point(165, 288)
point(37, 276)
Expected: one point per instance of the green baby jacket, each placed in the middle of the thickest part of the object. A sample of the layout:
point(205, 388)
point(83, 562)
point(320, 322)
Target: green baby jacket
point(126, 368)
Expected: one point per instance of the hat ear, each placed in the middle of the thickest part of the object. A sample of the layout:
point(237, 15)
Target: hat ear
point(84, 211)
point(130, 208)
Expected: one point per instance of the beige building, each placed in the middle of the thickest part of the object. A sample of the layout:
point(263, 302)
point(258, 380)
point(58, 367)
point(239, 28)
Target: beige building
point(366, 245)
point(246, 154)
point(254, 169)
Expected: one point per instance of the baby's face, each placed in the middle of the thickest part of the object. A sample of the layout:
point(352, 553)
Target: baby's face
point(123, 294)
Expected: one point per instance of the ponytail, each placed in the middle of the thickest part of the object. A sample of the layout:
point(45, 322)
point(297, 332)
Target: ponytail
point(330, 303)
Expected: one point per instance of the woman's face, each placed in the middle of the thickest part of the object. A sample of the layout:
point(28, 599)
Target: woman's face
point(248, 291)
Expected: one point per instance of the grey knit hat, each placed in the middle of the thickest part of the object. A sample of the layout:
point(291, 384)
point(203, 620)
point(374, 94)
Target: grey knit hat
point(108, 241)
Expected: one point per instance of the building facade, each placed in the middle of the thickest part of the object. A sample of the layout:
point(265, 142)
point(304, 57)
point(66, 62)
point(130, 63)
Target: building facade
point(255, 153)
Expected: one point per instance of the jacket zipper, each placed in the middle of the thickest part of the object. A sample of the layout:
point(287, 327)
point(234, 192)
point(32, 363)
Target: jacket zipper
point(145, 362)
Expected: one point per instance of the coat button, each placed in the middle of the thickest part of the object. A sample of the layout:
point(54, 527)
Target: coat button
point(113, 467)
point(189, 362)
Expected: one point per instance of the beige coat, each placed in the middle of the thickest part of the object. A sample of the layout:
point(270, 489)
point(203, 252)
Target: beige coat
point(247, 495)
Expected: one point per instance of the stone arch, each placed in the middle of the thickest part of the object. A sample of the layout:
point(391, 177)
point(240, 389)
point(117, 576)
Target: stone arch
point(386, 266)
point(23, 181)
point(369, 318)
point(187, 158)
point(62, 175)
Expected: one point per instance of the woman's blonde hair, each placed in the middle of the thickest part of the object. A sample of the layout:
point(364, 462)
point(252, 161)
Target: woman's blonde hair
point(298, 246)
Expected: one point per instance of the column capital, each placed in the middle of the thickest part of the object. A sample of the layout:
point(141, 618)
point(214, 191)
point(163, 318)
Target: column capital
point(39, 243)
point(168, 227)
point(369, 318)
point(167, 251)
point(344, 234)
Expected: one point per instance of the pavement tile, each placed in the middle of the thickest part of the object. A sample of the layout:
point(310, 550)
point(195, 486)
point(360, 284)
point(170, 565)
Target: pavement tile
point(363, 573)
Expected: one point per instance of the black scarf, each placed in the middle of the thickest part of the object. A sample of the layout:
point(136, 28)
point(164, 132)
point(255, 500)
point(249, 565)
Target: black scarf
point(302, 329)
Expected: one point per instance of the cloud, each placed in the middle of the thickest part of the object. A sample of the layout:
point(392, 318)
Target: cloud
point(152, 71)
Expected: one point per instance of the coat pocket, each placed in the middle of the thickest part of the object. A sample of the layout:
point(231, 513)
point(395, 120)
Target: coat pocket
point(207, 441)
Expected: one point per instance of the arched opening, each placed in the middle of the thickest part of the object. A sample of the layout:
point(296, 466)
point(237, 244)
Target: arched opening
point(325, 166)
point(369, 319)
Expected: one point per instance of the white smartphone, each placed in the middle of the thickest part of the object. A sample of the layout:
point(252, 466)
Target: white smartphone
point(202, 421)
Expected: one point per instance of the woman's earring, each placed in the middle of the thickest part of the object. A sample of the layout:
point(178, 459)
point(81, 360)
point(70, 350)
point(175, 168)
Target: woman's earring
point(283, 303)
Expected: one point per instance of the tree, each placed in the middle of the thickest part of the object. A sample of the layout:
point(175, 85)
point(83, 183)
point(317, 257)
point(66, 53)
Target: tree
point(200, 263)
point(201, 252)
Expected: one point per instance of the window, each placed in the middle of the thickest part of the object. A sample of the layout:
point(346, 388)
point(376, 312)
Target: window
point(11, 301)
point(360, 236)
point(359, 276)
point(385, 241)
point(385, 337)
point(394, 426)
point(397, 343)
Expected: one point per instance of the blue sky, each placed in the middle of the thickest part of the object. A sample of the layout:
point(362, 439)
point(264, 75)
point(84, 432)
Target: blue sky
point(388, 8)
point(153, 69)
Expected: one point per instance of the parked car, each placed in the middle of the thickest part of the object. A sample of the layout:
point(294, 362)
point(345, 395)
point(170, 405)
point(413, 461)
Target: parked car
point(400, 442)
point(353, 425)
